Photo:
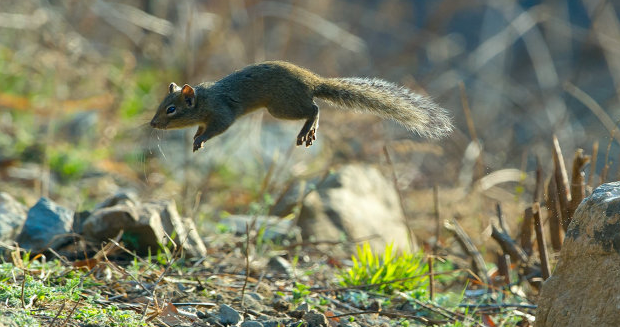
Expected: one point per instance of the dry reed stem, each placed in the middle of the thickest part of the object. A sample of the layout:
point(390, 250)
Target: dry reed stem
point(540, 239)
point(503, 266)
point(554, 215)
point(478, 170)
point(431, 278)
point(508, 245)
point(594, 107)
point(500, 217)
point(561, 180)
point(539, 182)
point(436, 245)
point(470, 248)
point(527, 231)
point(577, 185)
point(593, 165)
point(247, 263)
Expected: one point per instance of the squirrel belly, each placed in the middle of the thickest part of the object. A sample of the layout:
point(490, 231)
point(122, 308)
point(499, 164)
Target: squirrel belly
point(287, 91)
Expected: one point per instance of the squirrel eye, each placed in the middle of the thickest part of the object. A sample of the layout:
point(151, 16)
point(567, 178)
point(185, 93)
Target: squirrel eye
point(171, 110)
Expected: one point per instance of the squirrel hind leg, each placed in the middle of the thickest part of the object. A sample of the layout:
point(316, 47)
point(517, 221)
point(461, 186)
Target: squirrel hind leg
point(308, 131)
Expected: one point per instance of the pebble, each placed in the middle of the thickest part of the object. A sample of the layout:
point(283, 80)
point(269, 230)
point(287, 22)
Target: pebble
point(316, 319)
point(251, 324)
point(228, 315)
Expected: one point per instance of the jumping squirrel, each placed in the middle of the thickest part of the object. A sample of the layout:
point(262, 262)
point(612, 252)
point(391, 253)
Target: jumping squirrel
point(288, 91)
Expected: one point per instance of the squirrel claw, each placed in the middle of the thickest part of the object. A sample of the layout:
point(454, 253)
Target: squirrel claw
point(307, 138)
point(197, 146)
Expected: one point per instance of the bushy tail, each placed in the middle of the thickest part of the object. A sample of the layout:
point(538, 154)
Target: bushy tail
point(387, 100)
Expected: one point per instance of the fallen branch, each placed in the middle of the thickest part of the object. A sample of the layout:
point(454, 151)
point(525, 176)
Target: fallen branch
point(508, 245)
point(470, 248)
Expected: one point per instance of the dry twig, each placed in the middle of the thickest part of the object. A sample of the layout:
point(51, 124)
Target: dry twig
point(593, 165)
point(578, 185)
point(540, 239)
point(554, 214)
point(470, 248)
point(526, 231)
point(561, 180)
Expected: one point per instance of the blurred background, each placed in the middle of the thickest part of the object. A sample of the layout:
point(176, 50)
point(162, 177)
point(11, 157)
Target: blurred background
point(80, 80)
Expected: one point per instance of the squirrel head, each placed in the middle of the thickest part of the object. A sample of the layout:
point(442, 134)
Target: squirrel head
point(177, 110)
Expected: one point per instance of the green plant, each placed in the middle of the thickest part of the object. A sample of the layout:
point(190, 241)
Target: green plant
point(300, 292)
point(385, 269)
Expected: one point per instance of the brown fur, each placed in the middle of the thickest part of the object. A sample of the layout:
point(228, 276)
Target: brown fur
point(287, 91)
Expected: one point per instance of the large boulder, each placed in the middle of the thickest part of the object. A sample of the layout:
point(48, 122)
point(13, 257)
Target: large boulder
point(48, 225)
point(12, 217)
point(584, 289)
point(356, 202)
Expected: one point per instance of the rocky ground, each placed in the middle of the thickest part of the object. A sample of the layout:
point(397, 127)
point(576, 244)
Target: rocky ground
point(129, 262)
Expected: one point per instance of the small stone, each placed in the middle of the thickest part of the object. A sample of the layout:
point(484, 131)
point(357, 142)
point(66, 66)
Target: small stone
point(316, 319)
point(252, 303)
point(374, 306)
point(229, 316)
point(255, 296)
point(281, 306)
point(297, 314)
point(280, 265)
point(251, 324)
point(46, 220)
point(300, 311)
point(273, 323)
point(303, 307)
point(348, 324)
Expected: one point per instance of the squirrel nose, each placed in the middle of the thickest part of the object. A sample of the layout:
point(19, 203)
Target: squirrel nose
point(152, 123)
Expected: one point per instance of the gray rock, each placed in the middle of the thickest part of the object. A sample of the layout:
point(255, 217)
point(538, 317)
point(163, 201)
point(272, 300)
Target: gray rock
point(584, 288)
point(280, 265)
point(303, 307)
point(46, 226)
point(357, 202)
point(12, 217)
point(251, 302)
point(229, 316)
point(316, 319)
point(273, 323)
point(300, 311)
point(144, 225)
point(128, 198)
point(255, 296)
point(344, 323)
point(281, 305)
point(81, 125)
point(184, 228)
point(251, 323)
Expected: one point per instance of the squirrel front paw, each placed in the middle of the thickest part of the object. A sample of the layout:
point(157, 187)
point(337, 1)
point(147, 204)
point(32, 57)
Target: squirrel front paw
point(197, 144)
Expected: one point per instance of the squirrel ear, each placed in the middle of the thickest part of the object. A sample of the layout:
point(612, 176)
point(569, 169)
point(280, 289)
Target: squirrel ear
point(188, 94)
point(173, 87)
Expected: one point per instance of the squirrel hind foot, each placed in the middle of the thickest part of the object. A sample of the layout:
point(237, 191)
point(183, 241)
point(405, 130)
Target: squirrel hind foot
point(308, 137)
point(309, 130)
